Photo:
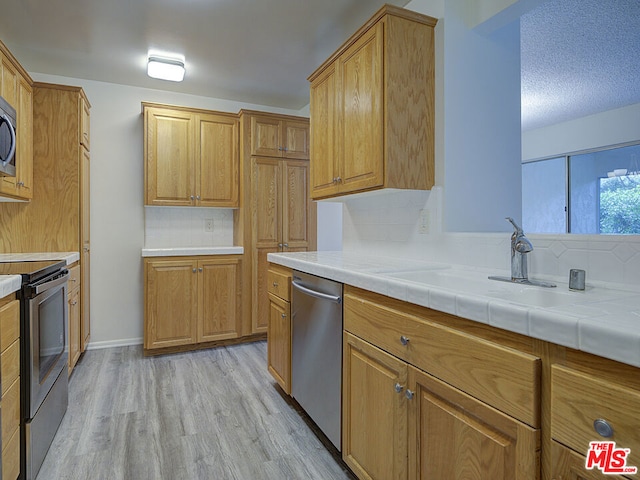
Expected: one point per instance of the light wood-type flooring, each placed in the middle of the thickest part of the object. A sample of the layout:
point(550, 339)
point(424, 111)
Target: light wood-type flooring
point(211, 414)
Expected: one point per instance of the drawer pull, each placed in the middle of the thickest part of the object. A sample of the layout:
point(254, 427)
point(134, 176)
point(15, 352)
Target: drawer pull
point(603, 428)
point(409, 394)
point(398, 388)
point(275, 284)
point(404, 340)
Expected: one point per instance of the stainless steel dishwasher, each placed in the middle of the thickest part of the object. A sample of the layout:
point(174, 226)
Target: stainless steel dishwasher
point(316, 351)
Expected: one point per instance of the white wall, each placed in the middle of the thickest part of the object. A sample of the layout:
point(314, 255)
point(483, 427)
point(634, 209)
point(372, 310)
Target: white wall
point(117, 213)
point(602, 129)
point(477, 117)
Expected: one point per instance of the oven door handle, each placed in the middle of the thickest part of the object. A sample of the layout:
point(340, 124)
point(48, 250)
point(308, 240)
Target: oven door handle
point(43, 287)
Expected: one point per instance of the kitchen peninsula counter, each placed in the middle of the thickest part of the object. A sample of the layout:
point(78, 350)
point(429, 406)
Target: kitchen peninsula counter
point(600, 320)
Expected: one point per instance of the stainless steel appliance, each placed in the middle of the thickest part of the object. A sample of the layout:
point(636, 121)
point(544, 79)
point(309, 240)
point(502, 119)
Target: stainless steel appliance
point(43, 356)
point(316, 351)
point(7, 139)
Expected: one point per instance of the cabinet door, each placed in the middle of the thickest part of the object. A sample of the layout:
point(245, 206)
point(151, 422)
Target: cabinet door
point(452, 435)
point(9, 82)
point(361, 113)
point(218, 161)
point(170, 303)
point(218, 299)
point(295, 205)
point(267, 231)
point(279, 342)
point(24, 167)
point(74, 327)
point(266, 136)
point(374, 411)
point(85, 117)
point(169, 166)
point(85, 297)
point(323, 134)
point(295, 142)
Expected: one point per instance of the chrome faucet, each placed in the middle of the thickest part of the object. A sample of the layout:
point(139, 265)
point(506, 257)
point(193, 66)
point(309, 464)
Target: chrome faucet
point(520, 246)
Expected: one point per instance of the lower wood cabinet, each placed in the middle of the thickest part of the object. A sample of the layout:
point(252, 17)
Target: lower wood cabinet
point(374, 411)
point(10, 359)
point(400, 422)
point(279, 326)
point(73, 298)
point(191, 300)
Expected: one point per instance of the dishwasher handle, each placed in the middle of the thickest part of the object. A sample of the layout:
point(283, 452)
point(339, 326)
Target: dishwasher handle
point(316, 294)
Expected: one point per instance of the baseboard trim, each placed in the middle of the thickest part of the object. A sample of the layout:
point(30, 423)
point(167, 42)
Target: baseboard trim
point(124, 342)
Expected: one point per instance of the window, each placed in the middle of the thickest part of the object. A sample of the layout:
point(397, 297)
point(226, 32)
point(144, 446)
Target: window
point(589, 192)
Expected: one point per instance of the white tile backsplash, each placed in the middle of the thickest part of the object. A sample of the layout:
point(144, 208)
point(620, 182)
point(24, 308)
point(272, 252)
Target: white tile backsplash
point(167, 227)
point(389, 224)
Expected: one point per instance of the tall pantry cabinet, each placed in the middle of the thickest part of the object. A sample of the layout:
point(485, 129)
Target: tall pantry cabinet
point(276, 214)
point(59, 212)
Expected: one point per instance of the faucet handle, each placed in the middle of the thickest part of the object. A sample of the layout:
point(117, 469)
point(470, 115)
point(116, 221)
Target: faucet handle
point(516, 227)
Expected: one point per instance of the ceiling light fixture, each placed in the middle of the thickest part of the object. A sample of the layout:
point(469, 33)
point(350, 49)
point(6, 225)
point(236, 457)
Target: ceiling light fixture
point(164, 68)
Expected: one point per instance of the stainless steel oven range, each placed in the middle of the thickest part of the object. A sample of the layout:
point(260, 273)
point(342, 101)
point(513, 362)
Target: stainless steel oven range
point(43, 356)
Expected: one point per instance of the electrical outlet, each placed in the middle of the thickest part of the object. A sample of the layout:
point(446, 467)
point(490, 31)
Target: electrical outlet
point(208, 225)
point(423, 227)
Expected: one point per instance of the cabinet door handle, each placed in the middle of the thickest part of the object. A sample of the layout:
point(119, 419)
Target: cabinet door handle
point(603, 428)
point(398, 388)
point(192, 197)
point(200, 269)
point(404, 340)
point(194, 270)
point(286, 245)
point(284, 315)
point(409, 394)
point(197, 197)
point(74, 303)
point(275, 284)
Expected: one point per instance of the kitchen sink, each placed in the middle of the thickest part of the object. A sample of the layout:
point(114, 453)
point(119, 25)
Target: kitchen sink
point(477, 283)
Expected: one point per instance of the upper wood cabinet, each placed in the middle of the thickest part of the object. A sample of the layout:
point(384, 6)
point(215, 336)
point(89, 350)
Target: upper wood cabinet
point(273, 136)
point(191, 157)
point(16, 89)
point(372, 108)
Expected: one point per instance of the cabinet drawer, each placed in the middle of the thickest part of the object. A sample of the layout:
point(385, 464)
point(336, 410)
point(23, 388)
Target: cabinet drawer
point(10, 361)
point(578, 399)
point(279, 283)
point(500, 376)
point(9, 324)
point(74, 277)
point(11, 456)
point(11, 410)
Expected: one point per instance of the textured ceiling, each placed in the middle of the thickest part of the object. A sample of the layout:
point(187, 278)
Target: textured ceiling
point(255, 51)
point(579, 57)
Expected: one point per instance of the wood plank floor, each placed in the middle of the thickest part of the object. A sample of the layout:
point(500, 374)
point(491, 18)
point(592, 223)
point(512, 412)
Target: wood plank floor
point(211, 414)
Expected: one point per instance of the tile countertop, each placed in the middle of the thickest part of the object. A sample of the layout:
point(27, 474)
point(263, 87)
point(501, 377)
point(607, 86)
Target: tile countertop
point(189, 251)
point(600, 320)
point(11, 283)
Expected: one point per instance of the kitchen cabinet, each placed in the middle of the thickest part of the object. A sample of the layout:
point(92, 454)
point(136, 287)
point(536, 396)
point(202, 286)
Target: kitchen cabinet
point(279, 326)
point(10, 395)
point(374, 411)
point(191, 157)
point(73, 329)
point(427, 412)
point(587, 407)
point(372, 108)
point(16, 88)
point(275, 136)
point(277, 213)
point(190, 301)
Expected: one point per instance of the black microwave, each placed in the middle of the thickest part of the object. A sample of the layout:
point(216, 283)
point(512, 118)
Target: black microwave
point(7, 139)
